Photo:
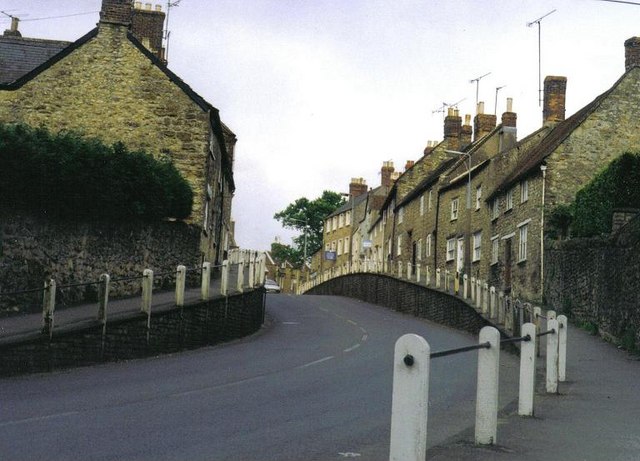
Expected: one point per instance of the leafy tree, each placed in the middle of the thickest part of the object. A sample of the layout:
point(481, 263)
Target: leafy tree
point(305, 214)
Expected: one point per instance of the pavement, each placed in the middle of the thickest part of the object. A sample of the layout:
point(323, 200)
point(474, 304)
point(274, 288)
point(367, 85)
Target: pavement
point(594, 416)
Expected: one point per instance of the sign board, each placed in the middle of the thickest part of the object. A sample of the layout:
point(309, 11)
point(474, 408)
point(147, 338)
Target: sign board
point(330, 255)
point(366, 244)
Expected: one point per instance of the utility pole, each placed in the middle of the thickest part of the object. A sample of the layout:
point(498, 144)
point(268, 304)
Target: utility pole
point(529, 24)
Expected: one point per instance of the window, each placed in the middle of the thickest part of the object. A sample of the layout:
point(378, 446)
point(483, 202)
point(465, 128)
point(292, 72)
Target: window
point(346, 244)
point(454, 209)
point(478, 196)
point(522, 246)
point(419, 250)
point(477, 241)
point(509, 200)
point(400, 215)
point(335, 223)
point(451, 249)
point(524, 191)
point(429, 201)
point(399, 248)
point(495, 248)
point(495, 208)
point(339, 247)
point(347, 218)
point(428, 246)
point(327, 226)
point(422, 205)
point(341, 220)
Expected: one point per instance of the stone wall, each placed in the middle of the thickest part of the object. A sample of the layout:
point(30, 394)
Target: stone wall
point(405, 297)
point(597, 282)
point(34, 248)
point(171, 330)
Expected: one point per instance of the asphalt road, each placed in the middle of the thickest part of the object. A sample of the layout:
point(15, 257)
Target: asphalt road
point(314, 384)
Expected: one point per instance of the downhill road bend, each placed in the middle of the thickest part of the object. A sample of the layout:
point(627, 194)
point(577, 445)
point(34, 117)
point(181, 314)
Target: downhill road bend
point(314, 384)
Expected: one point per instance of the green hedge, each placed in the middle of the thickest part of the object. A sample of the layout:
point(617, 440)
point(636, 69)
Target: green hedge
point(67, 176)
point(618, 186)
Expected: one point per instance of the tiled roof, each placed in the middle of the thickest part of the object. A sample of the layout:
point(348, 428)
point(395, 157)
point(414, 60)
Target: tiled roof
point(19, 55)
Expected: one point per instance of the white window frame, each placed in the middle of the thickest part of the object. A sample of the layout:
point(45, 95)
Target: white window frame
point(422, 205)
point(347, 218)
point(524, 190)
point(495, 208)
point(399, 246)
point(339, 252)
point(419, 250)
point(429, 201)
point(523, 232)
point(478, 196)
point(341, 220)
point(400, 215)
point(454, 208)
point(346, 244)
point(495, 249)
point(509, 200)
point(451, 249)
point(477, 246)
point(428, 245)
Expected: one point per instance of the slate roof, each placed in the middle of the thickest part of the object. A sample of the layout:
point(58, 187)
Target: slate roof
point(19, 55)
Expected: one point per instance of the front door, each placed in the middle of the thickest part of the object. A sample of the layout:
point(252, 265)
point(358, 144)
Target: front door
point(507, 264)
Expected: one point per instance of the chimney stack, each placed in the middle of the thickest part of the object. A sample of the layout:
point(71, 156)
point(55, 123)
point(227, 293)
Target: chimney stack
point(13, 32)
point(452, 128)
point(553, 109)
point(483, 123)
point(429, 148)
point(631, 53)
point(358, 186)
point(385, 174)
point(509, 118)
point(466, 133)
point(409, 164)
point(147, 25)
point(116, 12)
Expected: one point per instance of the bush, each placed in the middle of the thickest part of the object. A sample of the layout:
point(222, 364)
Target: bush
point(71, 177)
point(618, 186)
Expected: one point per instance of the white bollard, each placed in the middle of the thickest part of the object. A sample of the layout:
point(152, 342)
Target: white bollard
point(438, 271)
point(447, 280)
point(552, 357)
point(48, 306)
point(418, 273)
point(251, 273)
point(181, 282)
point(409, 271)
point(465, 286)
point(103, 297)
point(501, 313)
point(428, 277)
point(147, 290)
point(473, 289)
point(485, 298)
point(224, 279)
point(551, 315)
point(487, 393)
point(562, 348)
point(206, 281)
point(410, 401)
point(240, 280)
point(493, 303)
point(527, 371)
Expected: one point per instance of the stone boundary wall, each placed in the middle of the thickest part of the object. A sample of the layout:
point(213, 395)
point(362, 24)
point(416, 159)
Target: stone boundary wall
point(34, 248)
point(171, 330)
point(596, 281)
point(405, 297)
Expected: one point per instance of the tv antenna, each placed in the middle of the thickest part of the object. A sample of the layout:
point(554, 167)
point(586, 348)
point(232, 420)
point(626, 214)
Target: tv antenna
point(477, 80)
point(621, 1)
point(167, 32)
point(495, 106)
point(529, 24)
point(443, 107)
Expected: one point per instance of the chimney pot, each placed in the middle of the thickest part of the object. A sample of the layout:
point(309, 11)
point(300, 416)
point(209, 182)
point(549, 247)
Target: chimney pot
point(147, 6)
point(483, 123)
point(138, 5)
point(509, 104)
point(553, 109)
point(480, 109)
point(509, 118)
point(158, 7)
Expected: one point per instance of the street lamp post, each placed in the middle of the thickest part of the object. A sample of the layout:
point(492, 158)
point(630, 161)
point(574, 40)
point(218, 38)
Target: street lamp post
point(468, 155)
point(467, 246)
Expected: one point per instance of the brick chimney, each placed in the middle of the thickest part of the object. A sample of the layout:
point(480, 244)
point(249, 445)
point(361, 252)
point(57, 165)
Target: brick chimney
point(385, 174)
point(509, 133)
point(555, 89)
point(631, 53)
point(429, 148)
point(483, 123)
point(452, 128)
point(116, 12)
point(466, 133)
point(13, 32)
point(358, 186)
point(148, 26)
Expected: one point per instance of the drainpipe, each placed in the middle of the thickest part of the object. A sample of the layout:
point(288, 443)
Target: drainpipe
point(543, 168)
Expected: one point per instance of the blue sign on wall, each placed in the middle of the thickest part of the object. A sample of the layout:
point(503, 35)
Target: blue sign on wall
point(330, 255)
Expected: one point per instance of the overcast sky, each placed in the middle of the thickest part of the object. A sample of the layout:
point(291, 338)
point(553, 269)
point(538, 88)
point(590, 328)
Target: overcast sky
point(320, 91)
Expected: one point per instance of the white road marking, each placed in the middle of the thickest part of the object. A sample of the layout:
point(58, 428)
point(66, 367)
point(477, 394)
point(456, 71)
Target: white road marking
point(291, 323)
point(352, 322)
point(352, 348)
point(36, 419)
point(365, 337)
point(316, 362)
point(349, 454)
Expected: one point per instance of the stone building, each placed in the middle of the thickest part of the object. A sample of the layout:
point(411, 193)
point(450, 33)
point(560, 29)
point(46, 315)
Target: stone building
point(113, 84)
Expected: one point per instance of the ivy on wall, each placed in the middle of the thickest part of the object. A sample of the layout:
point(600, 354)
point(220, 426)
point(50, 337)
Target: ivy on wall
point(68, 176)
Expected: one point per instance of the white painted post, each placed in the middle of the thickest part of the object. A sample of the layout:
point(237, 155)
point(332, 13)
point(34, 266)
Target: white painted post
point(485, 298)
point(501, 308)
point(418, 273)
point(251, 273)
point(240, 281)
point(473, 289)
point(206, 281)
point(410, 401)
point(103, 297)
point(562, 348)
point(537, 313)
point(551, 315)
point(493, 301)
point(224, 279)
point(527, 370)
point(48, 306)
point(147, 290)
point(465, 286)
point(399, 269)
point(487, 393)
point(428, 277)
point(438, 277)
point(181, 282)
point(552, 357)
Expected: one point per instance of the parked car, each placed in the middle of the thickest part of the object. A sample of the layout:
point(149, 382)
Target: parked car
point(271, 286)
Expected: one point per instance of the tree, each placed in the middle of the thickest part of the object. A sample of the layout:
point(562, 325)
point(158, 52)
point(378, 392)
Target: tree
point(305, 214)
